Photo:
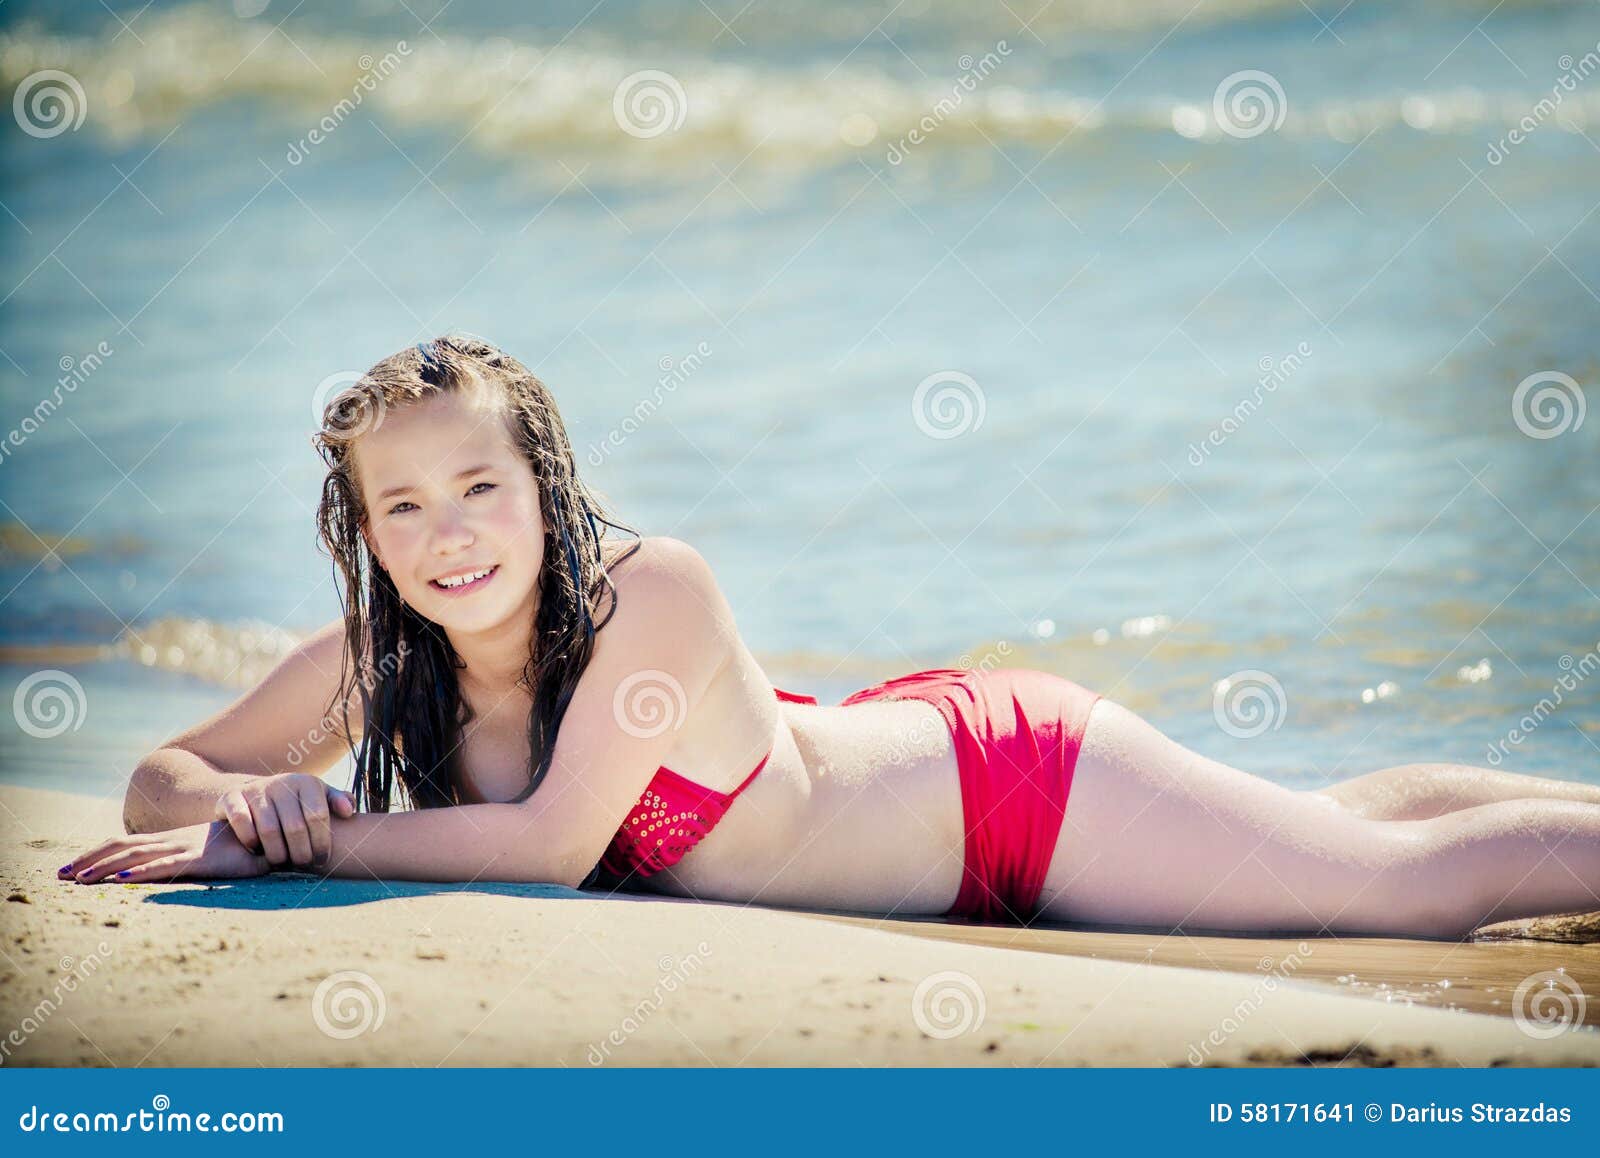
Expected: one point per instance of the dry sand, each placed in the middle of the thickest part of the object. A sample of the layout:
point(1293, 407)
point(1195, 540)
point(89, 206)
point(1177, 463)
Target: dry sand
point(289, 970)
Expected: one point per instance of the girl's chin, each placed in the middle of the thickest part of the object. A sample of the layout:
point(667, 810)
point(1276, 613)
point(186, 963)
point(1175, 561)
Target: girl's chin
point(476, 614)
point(468, 620)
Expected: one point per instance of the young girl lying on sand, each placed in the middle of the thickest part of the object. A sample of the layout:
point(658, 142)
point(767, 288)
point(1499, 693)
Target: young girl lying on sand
point(557, 709)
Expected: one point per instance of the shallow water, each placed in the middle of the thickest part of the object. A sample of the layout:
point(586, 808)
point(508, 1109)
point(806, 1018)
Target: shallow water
point(1112, 273)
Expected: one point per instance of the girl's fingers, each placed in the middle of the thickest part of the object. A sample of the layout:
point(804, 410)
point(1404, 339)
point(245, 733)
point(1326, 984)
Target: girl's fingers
point(270, 830)
point(99, 851)
point(163, 868)
point(105, 866)
point(314, 807)
point(236, 812)
point(296, 828)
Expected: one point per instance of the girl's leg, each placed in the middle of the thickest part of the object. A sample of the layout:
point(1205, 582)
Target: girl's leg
point(1158, 835)
point(1422, 791)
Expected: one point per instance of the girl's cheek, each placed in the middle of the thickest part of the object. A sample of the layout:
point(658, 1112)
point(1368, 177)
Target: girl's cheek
point(512, 522)
point(514, 516)
point(397, 546)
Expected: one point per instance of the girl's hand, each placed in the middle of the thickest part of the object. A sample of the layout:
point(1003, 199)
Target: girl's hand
point(201, 851)
point(286, 818)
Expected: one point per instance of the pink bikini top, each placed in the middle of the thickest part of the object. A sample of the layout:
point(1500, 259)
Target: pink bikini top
point(672, 816)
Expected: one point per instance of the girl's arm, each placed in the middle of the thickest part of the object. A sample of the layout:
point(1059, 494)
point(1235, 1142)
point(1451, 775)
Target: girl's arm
point(282, 725)
point(468, 842)
point(669, 637)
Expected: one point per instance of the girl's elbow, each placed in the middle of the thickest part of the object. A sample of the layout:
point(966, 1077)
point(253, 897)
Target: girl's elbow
point(522, 869)
point(139, 813)
point(568, 870)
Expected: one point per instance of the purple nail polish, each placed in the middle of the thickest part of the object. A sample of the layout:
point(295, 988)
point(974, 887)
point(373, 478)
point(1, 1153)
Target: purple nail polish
point(123, 873)
point(66, 868)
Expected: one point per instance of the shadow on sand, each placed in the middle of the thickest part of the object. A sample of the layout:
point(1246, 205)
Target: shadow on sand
point(305, 891)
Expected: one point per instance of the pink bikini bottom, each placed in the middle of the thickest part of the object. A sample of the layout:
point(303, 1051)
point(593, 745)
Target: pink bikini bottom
point(1017, 733)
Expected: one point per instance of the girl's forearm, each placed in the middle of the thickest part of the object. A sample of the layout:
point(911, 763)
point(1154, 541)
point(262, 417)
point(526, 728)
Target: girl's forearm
point(468, 842)
point(172, 788)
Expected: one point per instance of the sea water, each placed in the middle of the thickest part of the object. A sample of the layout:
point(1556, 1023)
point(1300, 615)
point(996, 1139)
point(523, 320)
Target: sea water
point(1176, 348)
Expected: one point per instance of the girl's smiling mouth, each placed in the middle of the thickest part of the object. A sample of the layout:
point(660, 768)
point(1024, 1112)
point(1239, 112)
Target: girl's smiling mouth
point(464, 582)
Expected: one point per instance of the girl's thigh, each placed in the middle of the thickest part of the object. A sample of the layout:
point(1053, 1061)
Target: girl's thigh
point(1156, 834)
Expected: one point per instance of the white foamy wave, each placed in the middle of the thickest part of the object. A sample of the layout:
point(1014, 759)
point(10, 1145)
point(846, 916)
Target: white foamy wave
point(522, 101)
point(233, 655)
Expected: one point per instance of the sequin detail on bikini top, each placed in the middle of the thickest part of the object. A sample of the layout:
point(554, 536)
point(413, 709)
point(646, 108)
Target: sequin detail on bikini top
point(673, 816)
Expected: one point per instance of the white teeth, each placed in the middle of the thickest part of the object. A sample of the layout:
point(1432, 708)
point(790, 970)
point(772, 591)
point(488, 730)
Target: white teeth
point(462, 580)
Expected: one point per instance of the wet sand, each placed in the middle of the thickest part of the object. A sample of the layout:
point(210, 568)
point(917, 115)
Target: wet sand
point(1480, 976)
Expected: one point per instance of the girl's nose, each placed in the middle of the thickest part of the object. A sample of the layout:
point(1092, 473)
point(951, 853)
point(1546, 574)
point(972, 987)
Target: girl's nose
point(451, 533)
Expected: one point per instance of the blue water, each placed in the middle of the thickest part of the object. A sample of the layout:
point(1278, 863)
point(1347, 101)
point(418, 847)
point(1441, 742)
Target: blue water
point(1079, 239)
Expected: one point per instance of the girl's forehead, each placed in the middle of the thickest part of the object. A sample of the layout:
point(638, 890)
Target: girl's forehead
point(422, 437)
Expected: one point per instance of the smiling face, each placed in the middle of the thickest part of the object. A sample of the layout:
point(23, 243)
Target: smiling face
point(453, 512)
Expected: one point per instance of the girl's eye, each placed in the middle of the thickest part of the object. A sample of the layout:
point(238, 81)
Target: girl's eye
point(401, 508)
point(487, 487)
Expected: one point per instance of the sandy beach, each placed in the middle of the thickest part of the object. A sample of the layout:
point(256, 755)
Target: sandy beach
point(288, 970)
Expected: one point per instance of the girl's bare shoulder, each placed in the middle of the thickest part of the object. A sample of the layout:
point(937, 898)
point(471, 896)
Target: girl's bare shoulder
point(675, 592)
